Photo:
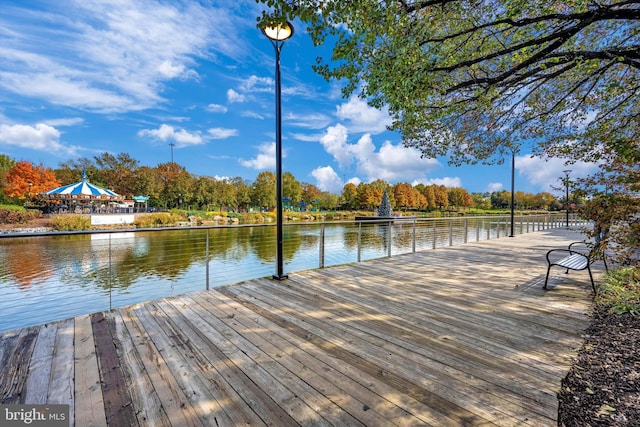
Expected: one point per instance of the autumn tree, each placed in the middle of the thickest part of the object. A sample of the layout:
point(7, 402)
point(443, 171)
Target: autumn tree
point(310, 193)
point(117, 173)
point(350, 196)
point(6, 164)
point(263, 190)
point(404, 196)
point(24, 180)
point(177, 184)
point(441, 195)
point(291, 188)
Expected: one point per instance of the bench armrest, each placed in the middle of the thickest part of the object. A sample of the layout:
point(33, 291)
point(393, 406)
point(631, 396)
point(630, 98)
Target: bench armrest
point(558, 254)
point(581, 247)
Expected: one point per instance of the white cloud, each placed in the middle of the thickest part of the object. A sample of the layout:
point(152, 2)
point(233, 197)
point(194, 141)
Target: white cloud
point(222, 133)
point(360, 117)
point(335, 143)
point(266, 158)
point(257, 84)
point(233, 96)
point(165, 133)
point(310, 121)
point(252, 115)
point(548, 173)
point(217, 108)
point(110, 56)
point(327, 179)
point(391, 162)
point(71, 121)
point(449, 182)
point(494, 186)
point(40, 137)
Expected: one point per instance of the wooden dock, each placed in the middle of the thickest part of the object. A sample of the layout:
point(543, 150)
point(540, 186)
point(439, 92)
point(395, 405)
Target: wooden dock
point(463, 335)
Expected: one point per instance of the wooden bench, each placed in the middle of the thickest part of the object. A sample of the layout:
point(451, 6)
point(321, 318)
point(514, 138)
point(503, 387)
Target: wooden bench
point(575, 259)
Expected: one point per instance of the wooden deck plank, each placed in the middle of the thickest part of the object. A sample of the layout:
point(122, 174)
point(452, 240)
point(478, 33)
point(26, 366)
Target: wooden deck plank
point(200, 361)
point(62, 385)
point(88, 393)
point(17, 351)
point(117, 401)
point(145, 400)
point(462, 335)
point(176, 353)
point(37, 386)
point(174, 402)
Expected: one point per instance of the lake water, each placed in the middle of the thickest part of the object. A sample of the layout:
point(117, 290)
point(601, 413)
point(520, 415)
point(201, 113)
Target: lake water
point(52, 277)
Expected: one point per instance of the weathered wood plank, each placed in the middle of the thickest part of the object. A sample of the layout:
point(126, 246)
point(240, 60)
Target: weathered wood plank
point(89, 403)
point(145, 401)
point(16, 358)
point(61, 387)
point(175, 354)
point(37, 386)
point(174, 402)
point(263, 400)
point(117, 401)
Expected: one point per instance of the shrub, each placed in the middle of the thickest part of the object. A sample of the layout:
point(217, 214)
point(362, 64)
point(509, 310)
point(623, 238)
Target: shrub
point(620, 291)
point(10, 214)
point(158, 219)
point(69, 222)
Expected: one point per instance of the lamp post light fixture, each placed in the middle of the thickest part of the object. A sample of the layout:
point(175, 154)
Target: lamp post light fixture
point(30, 185)
point(566, 200)
point(278, 34)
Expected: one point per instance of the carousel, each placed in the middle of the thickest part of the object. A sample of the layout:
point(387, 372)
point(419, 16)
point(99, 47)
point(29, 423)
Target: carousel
point(80, 197)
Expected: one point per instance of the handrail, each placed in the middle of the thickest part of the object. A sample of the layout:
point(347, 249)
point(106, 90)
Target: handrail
point(49, 276)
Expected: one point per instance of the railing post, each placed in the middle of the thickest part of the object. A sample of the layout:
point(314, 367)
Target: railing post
point(110, 277)
point(489, 229)
point(359, 240)
point(477, 230)
point(322, 245)
point(434, 233)
point(389, 238)
point(206, 259)
point(413, 244)
point(450, 232)
point(466, 228)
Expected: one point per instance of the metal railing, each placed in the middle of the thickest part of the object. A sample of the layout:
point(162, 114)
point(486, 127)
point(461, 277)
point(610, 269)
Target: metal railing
point(51, 276)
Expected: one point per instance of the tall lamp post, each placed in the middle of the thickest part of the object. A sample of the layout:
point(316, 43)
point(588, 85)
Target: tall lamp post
point(513, 180)
point(566, 200)
point(278, 34)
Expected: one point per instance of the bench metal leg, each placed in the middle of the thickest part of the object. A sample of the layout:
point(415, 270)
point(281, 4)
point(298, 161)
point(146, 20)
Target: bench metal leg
point(593, 285)
point(546, 278)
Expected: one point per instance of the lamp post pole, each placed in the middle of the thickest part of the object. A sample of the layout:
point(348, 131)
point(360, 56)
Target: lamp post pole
point(513, 180)
point(277, 35)
point(566, 200)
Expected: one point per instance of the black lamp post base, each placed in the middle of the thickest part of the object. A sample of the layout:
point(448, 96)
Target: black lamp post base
point(280, 276)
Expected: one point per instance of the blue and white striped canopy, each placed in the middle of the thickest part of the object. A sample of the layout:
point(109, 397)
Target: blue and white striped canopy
point(80, 189)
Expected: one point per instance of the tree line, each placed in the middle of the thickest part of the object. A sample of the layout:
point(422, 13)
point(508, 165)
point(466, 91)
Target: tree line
point(169, 185)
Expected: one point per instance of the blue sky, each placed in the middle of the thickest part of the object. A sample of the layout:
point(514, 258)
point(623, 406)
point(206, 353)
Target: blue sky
point(79, 78)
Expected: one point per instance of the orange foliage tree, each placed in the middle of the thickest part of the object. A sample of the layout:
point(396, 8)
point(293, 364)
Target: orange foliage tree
point(23, 174)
